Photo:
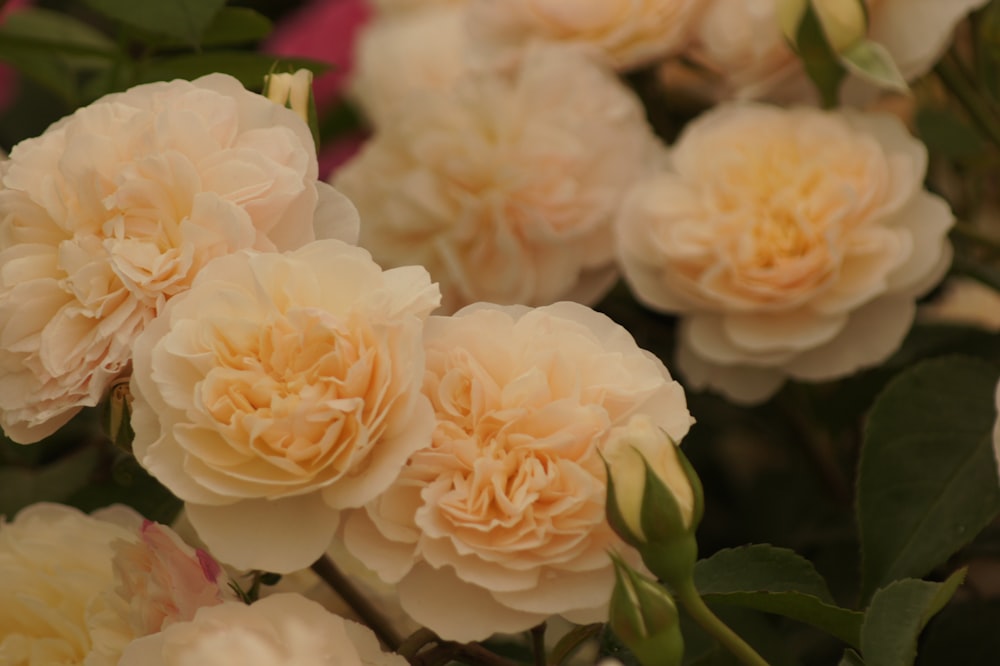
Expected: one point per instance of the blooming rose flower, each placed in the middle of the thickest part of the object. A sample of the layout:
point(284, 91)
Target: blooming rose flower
point(113, 210)
point(505, 509)
point(505, 187)
point(280, 389)
point(793, 243)
point(626, 33)
point(281, 629)
point(395, 56)
point(742, 42)
point(77, 588)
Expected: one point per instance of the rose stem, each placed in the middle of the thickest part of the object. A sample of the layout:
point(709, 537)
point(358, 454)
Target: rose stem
point(538, 644)
point(703, 615)
point(371, 616)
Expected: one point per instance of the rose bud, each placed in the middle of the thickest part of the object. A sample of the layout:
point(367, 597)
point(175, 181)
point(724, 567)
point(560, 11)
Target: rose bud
point(644, 617)
point(654, 499)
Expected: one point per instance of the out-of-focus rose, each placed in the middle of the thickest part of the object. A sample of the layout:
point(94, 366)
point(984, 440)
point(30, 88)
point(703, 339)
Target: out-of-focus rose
point(793, 243)
point(113, 210)
point(624, 33)
point(75, 589)
point(396, 56)
point(281, 629)
point(401, 7)
point(964, 301)
point(505, 509)
point(280, 389)
point(742, 42)
point(505, 188)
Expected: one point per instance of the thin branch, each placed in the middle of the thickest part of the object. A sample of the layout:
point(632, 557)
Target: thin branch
point(369, 614)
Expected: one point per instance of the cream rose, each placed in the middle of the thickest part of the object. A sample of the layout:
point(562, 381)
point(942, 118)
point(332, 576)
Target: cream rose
point(504, 511)
point(395, 56)
point(624, 33)
point(505, 187)
point(114, 210)
point(280, 389)
point(793, 243)
point(77, 588)
point(281, 629)
point(742, 42)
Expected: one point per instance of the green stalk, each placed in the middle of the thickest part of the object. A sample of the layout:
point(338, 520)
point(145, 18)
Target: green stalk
point(709, 621)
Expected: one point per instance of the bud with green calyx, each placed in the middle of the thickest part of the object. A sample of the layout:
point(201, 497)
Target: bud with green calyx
point(644, 617)
point(831, 38)
point(118, 415)
point(293, 90)
point(654, 497)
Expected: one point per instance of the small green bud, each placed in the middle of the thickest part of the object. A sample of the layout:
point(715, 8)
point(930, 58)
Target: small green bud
point(644, 617)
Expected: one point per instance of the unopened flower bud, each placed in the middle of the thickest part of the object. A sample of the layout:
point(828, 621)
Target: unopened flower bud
point(844, 22)
point(654, 499)
point(644, 617)
point(290, 90)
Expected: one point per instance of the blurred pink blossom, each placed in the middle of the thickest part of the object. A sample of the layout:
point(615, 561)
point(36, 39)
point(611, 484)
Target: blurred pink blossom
point(8, 76)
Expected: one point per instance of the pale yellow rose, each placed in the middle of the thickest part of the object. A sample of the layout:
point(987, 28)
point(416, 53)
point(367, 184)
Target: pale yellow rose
point(281, 629)
point(280, 389)
point(792, 242)
point(741, 41)
point(75, 589)
point(114, 210)
point(500, 522)
point(623, 33)
point(505, 188)
point(396, 56)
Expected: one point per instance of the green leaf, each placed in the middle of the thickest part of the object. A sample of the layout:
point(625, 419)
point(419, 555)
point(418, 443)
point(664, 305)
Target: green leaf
point(184, 19)
point(249, 68)
point(236, 25)
point(51, 48)
point(872, 62)
point(987, 50)
point(927, 482)
point(55, 482)
point(775, 580)
point(897, 615)
point(947, 135)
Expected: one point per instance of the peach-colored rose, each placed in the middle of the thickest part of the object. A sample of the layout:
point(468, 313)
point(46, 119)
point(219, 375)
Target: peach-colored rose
point(505, 187)
point(742, 42)
point(113, 210)
point(280, 389)
point(75, 589)
point(281, 629)
point(505, 509)
point(624, 33)
point(395, 56)
point(793, 243)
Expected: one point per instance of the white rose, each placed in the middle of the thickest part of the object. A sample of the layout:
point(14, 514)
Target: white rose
point(281, 629)
point(280, 389)
point(505, 509)
point(505, 187)
point(791, 242)
point(114, 210)
point(396, 56)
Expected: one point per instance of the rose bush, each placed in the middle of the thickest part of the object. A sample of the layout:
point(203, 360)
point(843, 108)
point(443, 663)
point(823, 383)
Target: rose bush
point(505, 508)
point(505, 187)
point(280, 389)
point(114, 210)
point(792, 242)
point(281, 629)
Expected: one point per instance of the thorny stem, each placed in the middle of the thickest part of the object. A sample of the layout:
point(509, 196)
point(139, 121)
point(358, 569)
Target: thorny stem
point(369, 614)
